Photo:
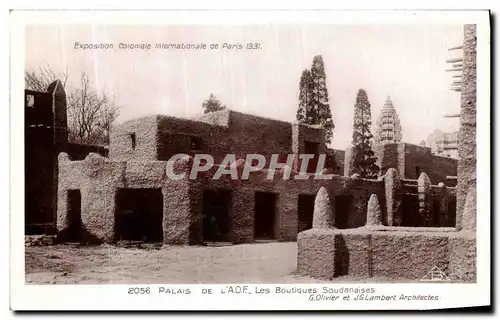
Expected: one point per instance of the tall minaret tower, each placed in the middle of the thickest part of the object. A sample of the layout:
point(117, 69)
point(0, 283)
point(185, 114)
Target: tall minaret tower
point(388, 128)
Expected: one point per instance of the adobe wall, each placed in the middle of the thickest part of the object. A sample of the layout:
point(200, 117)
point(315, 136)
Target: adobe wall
point(467, 133)
point(387, 254)
point(175, 134)
point(218, 134)
point(146, 137)
point(436, 167)
point(252, 134)
point(287, 195)
point(436, 199)
point(391, 155)
point(411, 160)
point(99, 180)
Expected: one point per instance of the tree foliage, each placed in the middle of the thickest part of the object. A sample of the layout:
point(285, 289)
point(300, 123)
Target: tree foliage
point(90, 113)
point(363, 160)
point(314, 108)
point(212, 104)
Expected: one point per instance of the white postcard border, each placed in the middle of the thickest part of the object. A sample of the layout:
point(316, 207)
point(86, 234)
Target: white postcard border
point(115, 297)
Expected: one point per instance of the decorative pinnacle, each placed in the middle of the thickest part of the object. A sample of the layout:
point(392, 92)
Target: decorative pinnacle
point(322, 216)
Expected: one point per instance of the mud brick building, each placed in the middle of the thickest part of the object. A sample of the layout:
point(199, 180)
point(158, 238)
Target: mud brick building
point(128, 196)
point(382, 247)
point(46, 135)
point(410, 161)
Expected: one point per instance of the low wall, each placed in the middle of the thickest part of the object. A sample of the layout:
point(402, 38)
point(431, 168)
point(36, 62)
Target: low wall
point(402, 254)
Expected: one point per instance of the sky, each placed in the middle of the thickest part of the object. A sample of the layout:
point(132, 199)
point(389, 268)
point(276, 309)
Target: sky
point(405, 62)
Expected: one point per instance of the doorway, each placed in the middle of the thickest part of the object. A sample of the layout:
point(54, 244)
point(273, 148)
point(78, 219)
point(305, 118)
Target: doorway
point(139, 215)
point(343, 205)
point(410, 205)
point(265, 216)
point(305, 211)
point(452, 212)
point(74, 215)
point(216, 218)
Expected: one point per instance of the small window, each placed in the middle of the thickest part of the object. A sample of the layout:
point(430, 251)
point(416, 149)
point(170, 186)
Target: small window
point(195, 143)
point(30, 101)
point(132, 140)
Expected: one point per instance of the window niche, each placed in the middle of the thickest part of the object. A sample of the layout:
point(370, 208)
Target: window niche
point(195, 143)
point(132, 140)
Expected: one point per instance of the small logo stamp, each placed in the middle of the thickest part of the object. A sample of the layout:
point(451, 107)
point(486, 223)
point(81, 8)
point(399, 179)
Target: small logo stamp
point(435, 275)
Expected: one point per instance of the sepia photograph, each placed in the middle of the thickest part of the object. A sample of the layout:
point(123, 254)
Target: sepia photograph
point(306, 156)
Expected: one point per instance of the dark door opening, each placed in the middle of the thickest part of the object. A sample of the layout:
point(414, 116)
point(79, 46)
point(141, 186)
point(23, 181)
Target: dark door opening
point(436, 213)
point(216, 219)
point(305, 210)
point(312, 148)
point(343, 205)
point(139, 215)
point(265, 216)
point(452, 212)
point(410, 214)
point(74, 215)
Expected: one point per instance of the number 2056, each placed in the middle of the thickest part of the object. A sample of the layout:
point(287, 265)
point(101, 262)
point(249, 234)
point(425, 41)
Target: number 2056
point(139, 290)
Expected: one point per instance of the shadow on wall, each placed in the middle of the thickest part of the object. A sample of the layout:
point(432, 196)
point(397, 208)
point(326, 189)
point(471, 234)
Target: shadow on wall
point(341, 258)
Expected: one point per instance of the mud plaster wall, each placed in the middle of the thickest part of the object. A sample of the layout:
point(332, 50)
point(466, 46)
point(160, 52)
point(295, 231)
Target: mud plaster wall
point(287, 194)
point(251, 134)
point(443, 194)
point(99, 179)
point(436, 167)
point(175, 136)
point(390, 155)
point(467, 132)
point(146, 136)
point(405, 158)
point(219, 133)
point(359, 252)
point(302, 133)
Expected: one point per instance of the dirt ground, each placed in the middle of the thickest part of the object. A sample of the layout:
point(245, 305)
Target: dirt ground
point(246, 263)
point(107, 264)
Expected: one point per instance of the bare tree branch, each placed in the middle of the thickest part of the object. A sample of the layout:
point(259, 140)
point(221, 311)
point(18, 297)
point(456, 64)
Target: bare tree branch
point(90, 113)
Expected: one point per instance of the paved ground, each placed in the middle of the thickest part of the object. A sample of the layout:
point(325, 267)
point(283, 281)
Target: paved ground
point(246, 263)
